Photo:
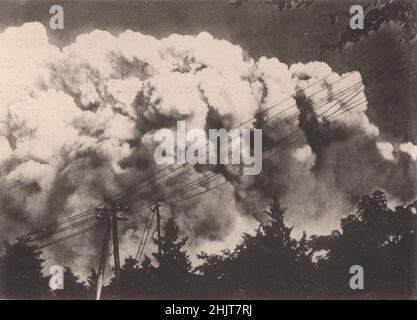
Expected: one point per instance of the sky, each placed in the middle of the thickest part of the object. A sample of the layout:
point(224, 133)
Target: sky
point(261, 30)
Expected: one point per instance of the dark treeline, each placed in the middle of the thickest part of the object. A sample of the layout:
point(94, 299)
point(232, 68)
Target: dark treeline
point(268, 264)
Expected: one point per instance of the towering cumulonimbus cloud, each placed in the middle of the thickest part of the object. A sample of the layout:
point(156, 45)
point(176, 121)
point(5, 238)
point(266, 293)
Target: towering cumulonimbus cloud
point(76, 128)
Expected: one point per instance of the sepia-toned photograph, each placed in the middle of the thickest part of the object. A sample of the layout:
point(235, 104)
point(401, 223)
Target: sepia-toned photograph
point(208, 150)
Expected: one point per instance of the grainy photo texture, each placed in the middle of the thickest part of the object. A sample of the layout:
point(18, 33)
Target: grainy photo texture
point(224, 149)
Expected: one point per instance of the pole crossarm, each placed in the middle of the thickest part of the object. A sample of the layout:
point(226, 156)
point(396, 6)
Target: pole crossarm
point(111, 216)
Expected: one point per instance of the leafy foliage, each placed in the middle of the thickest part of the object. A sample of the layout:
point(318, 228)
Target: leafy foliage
point(268, 264)
point(282, 4)
point(73, 287)
point(21, 271)
point(174, 265)
point(377, 13)
point(379, 239)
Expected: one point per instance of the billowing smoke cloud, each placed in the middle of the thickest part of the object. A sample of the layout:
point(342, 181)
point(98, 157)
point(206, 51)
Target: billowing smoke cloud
point(76, 128)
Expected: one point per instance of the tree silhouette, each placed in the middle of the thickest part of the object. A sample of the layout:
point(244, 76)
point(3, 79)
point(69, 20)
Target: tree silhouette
point(21, 272)
point(174, 265)
point(128, 286)
point(135, 281)
point(91, 284)
point(215, 271)
point(377, 12)
point(129, 277)
point(269, 264)
point(92, 280)
point(282, 4)
point(380, 240)
point(73, 287)
point(148, 279)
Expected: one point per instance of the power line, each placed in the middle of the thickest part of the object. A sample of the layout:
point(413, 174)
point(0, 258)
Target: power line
point(293, 135)
point(63, 221)
point(207, 178)
point(73, 235)
point(147, 235)
point(132, 189)
point(342, 78)
point(271, 107)
point(60, 230)
point(143, 233)
point(287, 120)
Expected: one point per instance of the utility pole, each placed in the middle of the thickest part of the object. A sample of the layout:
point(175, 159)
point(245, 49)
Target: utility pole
point(158, 227)
point(103, 258)
point(114, 210)
point(110, 215)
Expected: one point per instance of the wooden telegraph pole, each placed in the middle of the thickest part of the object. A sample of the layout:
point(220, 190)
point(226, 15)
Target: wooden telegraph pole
point(110, 215)
point(103, 257)
point(158, 227)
